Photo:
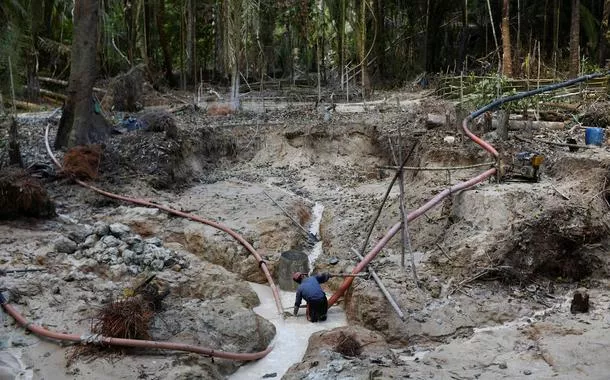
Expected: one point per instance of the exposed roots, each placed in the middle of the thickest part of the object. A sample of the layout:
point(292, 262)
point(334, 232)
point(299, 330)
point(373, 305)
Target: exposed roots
point(83, 162)
point(22, 195)
point(128, 319)
point(348, 345)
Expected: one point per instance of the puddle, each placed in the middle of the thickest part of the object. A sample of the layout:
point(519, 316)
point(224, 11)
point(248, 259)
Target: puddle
point(292, 335)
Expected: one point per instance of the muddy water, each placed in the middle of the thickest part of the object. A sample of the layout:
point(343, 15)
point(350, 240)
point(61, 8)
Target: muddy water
point(291, 338)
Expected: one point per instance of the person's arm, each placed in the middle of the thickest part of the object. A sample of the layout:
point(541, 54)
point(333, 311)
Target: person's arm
point(297, 302)
point(323, 277)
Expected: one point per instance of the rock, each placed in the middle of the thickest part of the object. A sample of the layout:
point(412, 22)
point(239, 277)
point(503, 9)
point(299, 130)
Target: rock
point(80, 232)
point(119, 230)
point(212, 281)
point(132, 239)
point(157, 265)
point(128, 256)
point(64, 245)
point(113, 252)
point(269, 375)
point(101, 229)
point(89, 241)
point(133, 269)
point(66, 219)
point(580, 302)
point(154, 241)
point(138, 248)
point(119, 270)
point(110, 241)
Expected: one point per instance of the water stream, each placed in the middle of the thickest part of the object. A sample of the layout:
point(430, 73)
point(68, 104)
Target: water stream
point(314, 229)
point(292, 334)
point(291, 337)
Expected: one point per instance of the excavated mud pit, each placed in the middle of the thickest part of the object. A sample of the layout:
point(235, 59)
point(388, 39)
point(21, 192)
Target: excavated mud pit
point(497, 264)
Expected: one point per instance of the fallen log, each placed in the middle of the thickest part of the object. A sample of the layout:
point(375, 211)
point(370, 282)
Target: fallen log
point(64, 83)
point(24, 105)
point(518, 125)
point(50, 94)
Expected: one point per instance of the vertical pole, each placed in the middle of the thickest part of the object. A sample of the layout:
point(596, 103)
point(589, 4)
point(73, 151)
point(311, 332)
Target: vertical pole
point(10, 73)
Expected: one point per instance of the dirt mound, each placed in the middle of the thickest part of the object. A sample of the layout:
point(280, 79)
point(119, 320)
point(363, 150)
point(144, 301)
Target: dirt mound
point(125, 91)
point(160, 121)
point(346, 352)
point(23, 195)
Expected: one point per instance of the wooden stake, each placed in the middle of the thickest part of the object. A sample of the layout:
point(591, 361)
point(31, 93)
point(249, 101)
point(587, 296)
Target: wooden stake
point(382, 287)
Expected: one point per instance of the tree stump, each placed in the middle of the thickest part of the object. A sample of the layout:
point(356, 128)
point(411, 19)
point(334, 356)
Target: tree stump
point(580, 302)
point(290, 262)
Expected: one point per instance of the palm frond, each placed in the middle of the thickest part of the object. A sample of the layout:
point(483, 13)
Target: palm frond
point(53, 47)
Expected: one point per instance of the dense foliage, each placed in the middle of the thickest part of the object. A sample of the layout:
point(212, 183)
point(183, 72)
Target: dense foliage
point(190, 41)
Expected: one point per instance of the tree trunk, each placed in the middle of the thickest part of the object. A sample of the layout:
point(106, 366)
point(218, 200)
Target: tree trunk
point(556, 7)
point(190, 42)
point(14, 153)
point(234, 47)
point(575, 40)
point(507, 62)
point(167, 58)
point(79, 123)
point(381, 38)
point(130, 30)
point(141, 41)
point(341, 40)
point(502, 129)
point(604, 37)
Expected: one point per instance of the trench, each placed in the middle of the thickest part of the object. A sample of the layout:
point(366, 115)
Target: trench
point(292, 334)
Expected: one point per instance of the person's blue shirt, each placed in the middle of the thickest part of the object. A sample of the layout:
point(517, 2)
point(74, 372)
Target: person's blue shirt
point(310, 289)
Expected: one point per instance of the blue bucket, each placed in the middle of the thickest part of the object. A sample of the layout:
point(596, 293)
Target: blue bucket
point(594, 136)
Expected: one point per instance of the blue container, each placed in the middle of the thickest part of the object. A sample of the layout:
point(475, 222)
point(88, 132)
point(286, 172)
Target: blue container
point(594, 136)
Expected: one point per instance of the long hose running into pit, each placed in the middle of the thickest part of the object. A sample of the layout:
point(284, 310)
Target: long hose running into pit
point(103, 340)
point(169, 210)
point(461, 186)
point(109, 341)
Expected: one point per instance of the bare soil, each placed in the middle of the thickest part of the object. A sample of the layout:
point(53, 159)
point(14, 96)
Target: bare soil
point(497, 264)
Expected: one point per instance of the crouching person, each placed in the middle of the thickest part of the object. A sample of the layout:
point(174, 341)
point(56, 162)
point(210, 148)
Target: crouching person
point(310, 290)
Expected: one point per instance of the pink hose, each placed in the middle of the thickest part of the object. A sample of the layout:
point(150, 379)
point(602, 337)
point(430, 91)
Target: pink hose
point(38, 330)
point(395, 228)
point(97, 339)
point(347, 282)
point(142, 202)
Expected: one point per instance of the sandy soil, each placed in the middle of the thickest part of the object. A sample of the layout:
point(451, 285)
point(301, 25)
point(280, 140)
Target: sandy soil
point(497, 264)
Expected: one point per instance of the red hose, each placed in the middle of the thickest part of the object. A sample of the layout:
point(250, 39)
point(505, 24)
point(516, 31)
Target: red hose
point(96, 339)
point(347, 282)
point(142, 202)
point(484, 144)
point(411, 216)
point(148, 343)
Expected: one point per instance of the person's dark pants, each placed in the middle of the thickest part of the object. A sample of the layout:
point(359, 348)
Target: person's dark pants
point(316, 310)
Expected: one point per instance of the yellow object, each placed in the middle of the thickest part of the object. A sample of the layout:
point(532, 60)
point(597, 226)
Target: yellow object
point(128, 292)
point(537, 160)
